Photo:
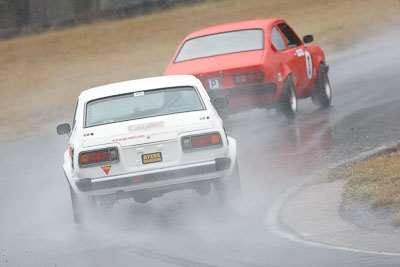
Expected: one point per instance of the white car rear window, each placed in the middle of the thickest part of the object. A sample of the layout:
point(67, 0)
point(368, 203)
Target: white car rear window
point(143, 104)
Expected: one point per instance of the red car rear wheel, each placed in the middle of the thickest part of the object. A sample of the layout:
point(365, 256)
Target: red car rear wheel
point(287, 104)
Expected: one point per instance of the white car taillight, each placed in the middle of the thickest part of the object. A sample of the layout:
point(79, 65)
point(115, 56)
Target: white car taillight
point(89, 158)
point(194, 142)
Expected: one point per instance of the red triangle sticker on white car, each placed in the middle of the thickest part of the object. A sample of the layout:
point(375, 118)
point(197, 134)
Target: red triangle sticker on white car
point(106, 169)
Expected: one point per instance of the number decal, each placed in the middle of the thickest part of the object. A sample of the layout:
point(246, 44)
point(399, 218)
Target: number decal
point(309, 65)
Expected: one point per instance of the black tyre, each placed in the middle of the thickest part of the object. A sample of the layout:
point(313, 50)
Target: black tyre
point(235, 178)
point(80, 206)
point(231, 189)
point(322, 94)
point(287, 104)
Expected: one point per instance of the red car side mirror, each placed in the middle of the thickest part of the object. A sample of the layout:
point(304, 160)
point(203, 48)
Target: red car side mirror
point(308, 39)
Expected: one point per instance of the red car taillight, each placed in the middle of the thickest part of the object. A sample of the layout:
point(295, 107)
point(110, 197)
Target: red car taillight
point(246, 78)
point(200, 141)
point(98, 156)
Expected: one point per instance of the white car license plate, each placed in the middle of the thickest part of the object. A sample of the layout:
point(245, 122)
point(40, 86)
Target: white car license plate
point(152, 158)
point(214, 83)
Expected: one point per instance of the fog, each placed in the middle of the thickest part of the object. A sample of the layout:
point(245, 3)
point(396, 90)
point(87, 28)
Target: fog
point(183, 228)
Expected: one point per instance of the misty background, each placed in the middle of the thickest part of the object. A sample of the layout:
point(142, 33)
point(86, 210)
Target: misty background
point(18, 16)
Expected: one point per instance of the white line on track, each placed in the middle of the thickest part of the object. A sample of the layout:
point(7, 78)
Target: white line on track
point(273, 217)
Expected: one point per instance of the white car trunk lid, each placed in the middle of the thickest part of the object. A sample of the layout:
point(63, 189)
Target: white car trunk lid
point(131, 133)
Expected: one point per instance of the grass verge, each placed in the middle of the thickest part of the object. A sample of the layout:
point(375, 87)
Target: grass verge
point(375, 181)
point(41, 75)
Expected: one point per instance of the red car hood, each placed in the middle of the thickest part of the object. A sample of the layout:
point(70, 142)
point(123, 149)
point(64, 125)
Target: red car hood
point(217, 63)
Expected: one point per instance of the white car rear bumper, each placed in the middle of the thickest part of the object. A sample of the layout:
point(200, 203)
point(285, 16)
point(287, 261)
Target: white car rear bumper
point(163, 179)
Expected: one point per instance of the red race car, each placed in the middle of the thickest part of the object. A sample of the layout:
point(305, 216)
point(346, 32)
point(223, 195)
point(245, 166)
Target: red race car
point(255, 63)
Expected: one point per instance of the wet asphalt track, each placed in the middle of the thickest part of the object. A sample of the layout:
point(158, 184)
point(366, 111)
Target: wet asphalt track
point(182, 229)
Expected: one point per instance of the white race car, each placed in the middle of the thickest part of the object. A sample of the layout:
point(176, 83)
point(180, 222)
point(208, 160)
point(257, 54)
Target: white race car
point(144, 138)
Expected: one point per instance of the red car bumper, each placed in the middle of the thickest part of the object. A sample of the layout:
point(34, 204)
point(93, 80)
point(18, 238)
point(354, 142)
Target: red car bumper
point(247, 97)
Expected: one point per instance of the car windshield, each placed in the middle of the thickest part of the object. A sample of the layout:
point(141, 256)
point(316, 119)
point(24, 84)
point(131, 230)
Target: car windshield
point(221, 43)
point(142, 104)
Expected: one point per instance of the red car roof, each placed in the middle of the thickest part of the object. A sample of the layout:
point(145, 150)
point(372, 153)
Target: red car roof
point(233, 26)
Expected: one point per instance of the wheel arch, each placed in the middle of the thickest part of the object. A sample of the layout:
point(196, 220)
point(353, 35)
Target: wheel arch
point(233, 154)
point(288, 77)
point(67, 170)
point(320, 59)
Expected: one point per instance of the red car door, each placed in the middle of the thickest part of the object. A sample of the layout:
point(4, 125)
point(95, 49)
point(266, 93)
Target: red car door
point(310, 77)
point(295, 57)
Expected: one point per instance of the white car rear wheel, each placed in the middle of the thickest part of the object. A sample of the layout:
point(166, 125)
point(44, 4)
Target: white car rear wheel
point(231, 189)
point(80, 206)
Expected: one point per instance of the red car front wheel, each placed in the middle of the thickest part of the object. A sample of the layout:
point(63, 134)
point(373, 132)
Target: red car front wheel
point(322, 94)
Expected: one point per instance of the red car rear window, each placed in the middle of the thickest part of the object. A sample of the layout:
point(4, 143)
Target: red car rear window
point(221, 43)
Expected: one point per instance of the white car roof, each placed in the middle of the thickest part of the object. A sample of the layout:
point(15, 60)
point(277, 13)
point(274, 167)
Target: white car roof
point(138, 85)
